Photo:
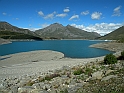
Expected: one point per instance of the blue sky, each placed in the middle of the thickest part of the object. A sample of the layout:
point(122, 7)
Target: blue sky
point(102, 16)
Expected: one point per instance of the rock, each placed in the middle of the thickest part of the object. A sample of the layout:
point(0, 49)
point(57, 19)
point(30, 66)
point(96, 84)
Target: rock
point(43, 91)
point(46, 86)
point(53, 91)
point(118, 66)
point(108, 71)
point(73, 88)
point(66, 68)
point(14, 89)
point(37, 91)
point(26, 89)
point(108, 77)
point(37, 86)
point(97, 75)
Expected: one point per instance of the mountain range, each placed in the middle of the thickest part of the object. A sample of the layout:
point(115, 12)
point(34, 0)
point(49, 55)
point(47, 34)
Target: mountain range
point(59, 31)
point(56, 31)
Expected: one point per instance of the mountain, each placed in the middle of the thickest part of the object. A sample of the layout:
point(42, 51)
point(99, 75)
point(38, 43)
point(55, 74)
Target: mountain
point(117, 34)
point(58, 31)
point(9, 31)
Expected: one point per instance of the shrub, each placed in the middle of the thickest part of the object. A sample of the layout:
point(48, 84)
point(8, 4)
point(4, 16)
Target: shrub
point(64, 91)
point(122, 54)
point(88, 71)
point(78, 71)
point(49, 77)
point(110, 59)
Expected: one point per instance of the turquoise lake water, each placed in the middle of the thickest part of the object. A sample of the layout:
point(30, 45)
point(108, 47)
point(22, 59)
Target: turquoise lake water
point(70, 48)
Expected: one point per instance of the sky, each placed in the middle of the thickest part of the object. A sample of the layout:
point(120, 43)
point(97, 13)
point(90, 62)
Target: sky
point(101, 16)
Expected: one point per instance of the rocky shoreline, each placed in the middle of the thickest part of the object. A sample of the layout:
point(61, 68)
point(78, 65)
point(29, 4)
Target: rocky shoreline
point(93, 77)
point(3, 41)
point(112, 46)
point(61, 75)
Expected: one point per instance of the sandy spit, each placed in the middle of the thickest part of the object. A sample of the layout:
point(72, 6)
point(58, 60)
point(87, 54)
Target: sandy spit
point(30, 63)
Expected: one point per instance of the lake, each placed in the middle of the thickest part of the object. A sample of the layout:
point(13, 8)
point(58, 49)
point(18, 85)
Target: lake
point(71, 48)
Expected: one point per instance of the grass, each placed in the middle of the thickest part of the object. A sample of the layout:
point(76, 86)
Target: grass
point(78, 71)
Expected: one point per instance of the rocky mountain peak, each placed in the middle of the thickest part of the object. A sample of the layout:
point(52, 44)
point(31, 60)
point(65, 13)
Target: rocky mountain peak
point(59, 31)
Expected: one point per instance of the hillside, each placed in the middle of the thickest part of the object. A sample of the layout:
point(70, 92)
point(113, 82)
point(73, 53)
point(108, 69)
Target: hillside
point(117, 34)
point(58, 31)
point(16, 35)
point(7, 31)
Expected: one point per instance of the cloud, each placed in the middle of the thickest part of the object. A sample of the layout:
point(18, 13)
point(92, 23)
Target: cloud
point(74, 17)
point(17, 18)
point(4, 13)
point(33, 29)
point(44, 25)
point(40, 13)
point(116, 11)
point(96, 15)
point(66, 9)
point(101, 28)
point(85, 12)
point(61, 15)
point(50, 16)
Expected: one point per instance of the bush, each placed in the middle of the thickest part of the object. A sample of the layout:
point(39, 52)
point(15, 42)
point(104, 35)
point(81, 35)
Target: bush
point(78, 71)
point(110, 59)
point(122, 54)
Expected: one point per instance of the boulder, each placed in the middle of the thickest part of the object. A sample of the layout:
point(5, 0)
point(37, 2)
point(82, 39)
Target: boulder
point(26, 89)
point(108, 77)
point(108, 71)
point(97, 75)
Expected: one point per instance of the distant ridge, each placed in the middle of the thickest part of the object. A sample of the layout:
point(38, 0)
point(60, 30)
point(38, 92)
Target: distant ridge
point(4, 26)
point(117, 34)
point(8, 31)
point(58, 31)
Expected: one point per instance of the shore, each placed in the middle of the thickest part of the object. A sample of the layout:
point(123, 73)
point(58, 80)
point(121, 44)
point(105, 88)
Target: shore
point(17, 65)
point(3, 41)
point(27, 63)
point(31, 71)
point(111, 46)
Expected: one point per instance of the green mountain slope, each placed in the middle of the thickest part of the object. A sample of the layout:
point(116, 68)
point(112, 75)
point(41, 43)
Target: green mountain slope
point(118, 34)
point(7, 31)
point(16, 35)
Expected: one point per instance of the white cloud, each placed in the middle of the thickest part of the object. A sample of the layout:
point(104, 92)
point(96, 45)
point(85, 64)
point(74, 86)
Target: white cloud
point(44, 25)
point(85, 12)
point(40, 13)
point(116, 11)
point(61, 15)
point(96, 15)
point(4, 13)
point(66, 10)
point(74, 17)
point(33, 29)
point(50, 16)
point(101, 28)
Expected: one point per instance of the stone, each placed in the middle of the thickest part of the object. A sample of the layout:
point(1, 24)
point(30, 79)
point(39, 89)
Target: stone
point(46, 86)
point(36, 91)
point(108, 71)
point(43, 91)
point(14, 89)
point(97, 75)
point(108, 77)
point(118, 66)
point(36, 86)
point(26, 89)
point(66, 68)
